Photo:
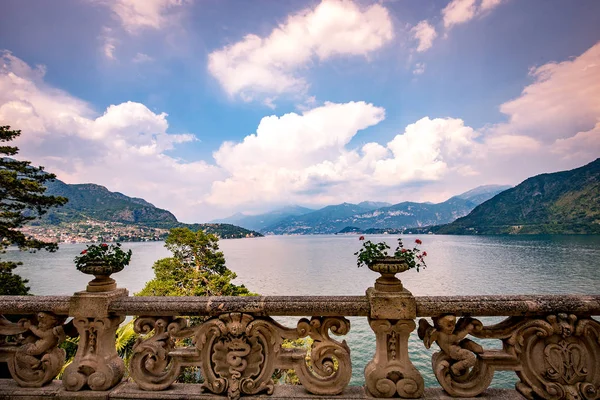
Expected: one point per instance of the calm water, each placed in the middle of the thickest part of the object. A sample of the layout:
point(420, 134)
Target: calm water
point(325, 265)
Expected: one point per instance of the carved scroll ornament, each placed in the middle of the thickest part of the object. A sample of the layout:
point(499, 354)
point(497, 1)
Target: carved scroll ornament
point(391, 372)
point(33, 358)
point(238, 354)
point(556, 357)
point(96, 364)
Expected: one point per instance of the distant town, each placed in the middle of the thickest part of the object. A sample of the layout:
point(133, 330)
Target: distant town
point(90, 231)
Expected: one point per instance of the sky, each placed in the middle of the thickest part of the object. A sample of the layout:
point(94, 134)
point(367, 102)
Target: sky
point(211, 107)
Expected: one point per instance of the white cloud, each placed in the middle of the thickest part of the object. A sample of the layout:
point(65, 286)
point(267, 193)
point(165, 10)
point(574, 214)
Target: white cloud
point(461, 11)
point(135, 15)
point(270, 65)
point(563, 99)
point(306, 158)
point(582, 146)
point(124, 149)
point(140, 58)
point(425, 33)
point(419, 68)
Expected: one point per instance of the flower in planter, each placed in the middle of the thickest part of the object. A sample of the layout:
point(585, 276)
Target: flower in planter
point(370, 252)
point(110, 255)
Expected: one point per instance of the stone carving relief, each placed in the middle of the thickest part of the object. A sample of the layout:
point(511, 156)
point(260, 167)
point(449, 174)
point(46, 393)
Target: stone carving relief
point(555, 357)
point(458, 367)
point(152, 364)
point(33, 356)
point(560, 356)
point(238, 354)
point(391, 372)
point(96, 364)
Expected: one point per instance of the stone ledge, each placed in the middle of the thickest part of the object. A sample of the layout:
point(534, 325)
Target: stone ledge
point(127, 390)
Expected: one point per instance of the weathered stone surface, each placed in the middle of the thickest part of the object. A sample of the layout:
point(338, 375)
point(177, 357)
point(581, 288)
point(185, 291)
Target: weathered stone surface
point(93, 304)
point(555, 357)
point(256, 305)
point(129, 391)
point(238, 354)
point(33, 356)
point(513, 305)
point(390, 372)
point(391, 305)
point(59, 305)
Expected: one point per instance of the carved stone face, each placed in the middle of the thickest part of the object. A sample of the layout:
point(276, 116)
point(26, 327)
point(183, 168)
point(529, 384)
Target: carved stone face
point(46, 321)
point(446, 324)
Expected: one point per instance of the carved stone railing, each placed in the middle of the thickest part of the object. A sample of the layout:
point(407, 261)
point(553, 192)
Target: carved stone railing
point(551, 342)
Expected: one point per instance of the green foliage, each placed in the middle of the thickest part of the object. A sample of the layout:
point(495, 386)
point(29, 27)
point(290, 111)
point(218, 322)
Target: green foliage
point(197, 268)
point(370, 252)
point(111, 255)
point(12, 284)
point(22, 200)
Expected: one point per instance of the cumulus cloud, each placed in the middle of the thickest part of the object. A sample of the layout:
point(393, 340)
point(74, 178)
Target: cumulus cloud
point(126, 148)
point(461, 11)
point(563, 99)
point(271, 65)
point(307, 158)
point(135, 15)
point(425, 33)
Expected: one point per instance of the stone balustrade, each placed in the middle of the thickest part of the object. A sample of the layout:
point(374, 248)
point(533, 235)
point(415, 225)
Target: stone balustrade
point(551, 342)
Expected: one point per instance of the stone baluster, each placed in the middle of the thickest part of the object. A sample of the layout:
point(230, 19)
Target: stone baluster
point(96, 365)
point(392, 315)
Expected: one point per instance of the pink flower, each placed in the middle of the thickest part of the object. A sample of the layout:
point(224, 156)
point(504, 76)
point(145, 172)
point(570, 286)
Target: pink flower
point(418, 241)
point(83, 252)
point(403, 251)
point(104, 245)
point(361, 238)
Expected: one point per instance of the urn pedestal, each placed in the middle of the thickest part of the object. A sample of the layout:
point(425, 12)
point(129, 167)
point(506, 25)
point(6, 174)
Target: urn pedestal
point(102, 281)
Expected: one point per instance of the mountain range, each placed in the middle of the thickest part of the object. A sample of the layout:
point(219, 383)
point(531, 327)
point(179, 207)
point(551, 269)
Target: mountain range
point(297, 220)
point(94, 202)
point(566, 202)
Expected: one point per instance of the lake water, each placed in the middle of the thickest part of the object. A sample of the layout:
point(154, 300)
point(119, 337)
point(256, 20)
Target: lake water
point(326, 265)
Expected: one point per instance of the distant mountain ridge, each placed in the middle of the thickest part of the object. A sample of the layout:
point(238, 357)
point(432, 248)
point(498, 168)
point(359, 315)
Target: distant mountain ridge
point(367, 215)
point(566, 202)
point(91, 201)
point(262, 221)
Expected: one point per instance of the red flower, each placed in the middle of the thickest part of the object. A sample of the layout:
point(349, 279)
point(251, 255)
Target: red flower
point(83, 252)
point(418, 241)
point(104, 245)
point(403, 251)
point(424, 253)
point(361, 238)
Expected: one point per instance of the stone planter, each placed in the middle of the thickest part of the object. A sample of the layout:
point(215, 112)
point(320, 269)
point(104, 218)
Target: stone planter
point(101, 271)
point(388, 267)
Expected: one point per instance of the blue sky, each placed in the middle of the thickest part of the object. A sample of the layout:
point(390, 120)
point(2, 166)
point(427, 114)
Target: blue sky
point(211, 107)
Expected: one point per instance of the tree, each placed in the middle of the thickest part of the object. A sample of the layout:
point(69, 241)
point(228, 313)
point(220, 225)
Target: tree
point(22, 200)
point(197, 268)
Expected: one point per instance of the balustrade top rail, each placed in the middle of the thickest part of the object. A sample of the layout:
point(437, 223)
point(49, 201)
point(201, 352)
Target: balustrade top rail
point(426, 306)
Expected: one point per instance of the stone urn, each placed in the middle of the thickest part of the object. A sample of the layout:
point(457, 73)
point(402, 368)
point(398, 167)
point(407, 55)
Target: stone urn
point(101, 271)
point(388, 267)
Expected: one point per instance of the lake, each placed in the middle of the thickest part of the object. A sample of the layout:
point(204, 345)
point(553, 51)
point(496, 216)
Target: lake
point(326, 265)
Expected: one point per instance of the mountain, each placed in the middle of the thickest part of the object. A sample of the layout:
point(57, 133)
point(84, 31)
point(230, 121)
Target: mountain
point(261, 221)
point(366, 215)
point(483, 193)
point(566, 202)
point(97, 202)
point(326, 220)
point(94, 202)
point(373, 205)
